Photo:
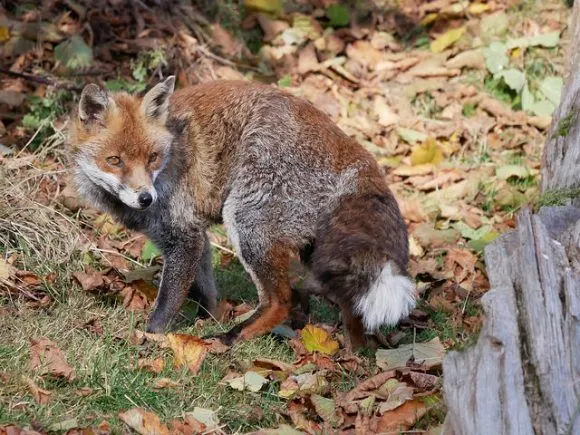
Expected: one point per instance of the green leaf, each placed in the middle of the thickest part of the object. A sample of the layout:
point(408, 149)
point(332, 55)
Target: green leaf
point(495, 57)
point(285, 81)
point(482, 242)
point(150, 251)
point(551, 87)
point(528, 99)
point(469, 233)
point(543, 107)
point(547, 40)
point(338, 15)
point(514, 78)
point(73, 53)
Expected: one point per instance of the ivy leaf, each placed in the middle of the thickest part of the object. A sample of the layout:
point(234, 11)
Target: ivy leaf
point(547, 40)
point(514, 78)
point(551, 87)
point(495, 57)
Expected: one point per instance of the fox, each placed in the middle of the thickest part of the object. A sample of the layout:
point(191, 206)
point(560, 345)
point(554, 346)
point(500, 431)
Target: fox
point(283, 179)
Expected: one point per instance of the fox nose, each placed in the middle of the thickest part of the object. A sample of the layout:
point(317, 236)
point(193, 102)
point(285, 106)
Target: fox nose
point(145, 199)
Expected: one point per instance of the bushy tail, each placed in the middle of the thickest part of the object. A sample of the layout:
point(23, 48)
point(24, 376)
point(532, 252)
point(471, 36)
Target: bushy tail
point(360, 258)
point(390, 298)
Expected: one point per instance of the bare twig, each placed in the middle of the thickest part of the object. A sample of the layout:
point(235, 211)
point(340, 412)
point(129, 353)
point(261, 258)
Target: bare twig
point(50, 81)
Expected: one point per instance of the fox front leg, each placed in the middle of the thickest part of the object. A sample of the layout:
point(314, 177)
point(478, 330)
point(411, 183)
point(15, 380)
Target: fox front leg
point(182, 260)
point(204, 290)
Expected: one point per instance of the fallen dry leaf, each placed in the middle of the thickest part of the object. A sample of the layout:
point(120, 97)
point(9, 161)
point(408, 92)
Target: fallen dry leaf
point(430, 354)
point(47, 358)
point(90, 280)
point(327, 410)
point(366, 387)
point(215, 346)
point(316, 339)
point(84, 391)
point(138, 337)
point(133, 299)
point(188, 351)
point(251, 381)
point(296, 412)
point(151, 365)
point(165, 383)
point(402, 418)
point(143, 422)
point(274, 365)
point(40, 395)
point(394, 393)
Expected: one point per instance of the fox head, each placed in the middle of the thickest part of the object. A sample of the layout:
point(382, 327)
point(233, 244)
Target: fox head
point(120, 142)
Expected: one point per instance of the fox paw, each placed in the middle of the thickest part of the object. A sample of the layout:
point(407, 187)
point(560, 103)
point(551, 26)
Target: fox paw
point(227, 338)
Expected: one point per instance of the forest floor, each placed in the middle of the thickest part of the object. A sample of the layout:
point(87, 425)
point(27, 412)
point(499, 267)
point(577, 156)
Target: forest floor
point(452, 97)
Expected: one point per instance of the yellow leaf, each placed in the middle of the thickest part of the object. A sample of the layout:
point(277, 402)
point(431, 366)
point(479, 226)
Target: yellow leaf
point(478, 8)
point(429, 18)
point(4, 34)
point(270, 6)
point(516, 53)
point(447, 39)
point(427, 152)
point(188, 351)
point(317, 339)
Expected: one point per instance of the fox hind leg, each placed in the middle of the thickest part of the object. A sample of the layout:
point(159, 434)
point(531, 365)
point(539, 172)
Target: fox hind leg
point(270, 275)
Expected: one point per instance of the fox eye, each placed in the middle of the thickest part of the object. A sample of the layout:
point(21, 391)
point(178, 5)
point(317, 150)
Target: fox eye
point(114, 161)
point(153, 157)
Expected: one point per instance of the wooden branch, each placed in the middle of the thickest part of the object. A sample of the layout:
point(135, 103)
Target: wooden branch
point(523, 375)
point(50, 81)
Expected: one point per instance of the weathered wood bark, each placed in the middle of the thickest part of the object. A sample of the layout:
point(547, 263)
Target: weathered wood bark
point(561, 158)
point(523, 375)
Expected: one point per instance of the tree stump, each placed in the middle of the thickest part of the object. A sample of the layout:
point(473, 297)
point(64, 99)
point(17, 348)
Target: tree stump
point(523, 375)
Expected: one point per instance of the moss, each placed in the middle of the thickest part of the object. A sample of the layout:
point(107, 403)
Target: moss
point(565, 123)
point(557, 197)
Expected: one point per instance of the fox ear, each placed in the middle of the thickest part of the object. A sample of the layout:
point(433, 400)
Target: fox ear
point(93, 104)
point(155, 102)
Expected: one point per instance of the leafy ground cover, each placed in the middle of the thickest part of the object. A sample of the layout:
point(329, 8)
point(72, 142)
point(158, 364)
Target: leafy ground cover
point(452, 97)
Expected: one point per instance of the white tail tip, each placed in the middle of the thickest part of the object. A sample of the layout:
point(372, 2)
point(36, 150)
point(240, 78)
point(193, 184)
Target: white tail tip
point(390, 298)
